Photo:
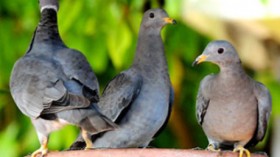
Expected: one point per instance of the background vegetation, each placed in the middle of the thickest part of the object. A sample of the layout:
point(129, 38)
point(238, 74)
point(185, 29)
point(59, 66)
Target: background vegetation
point(106, 32)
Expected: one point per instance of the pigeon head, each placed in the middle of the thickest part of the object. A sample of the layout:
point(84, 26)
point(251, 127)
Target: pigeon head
point(156, 19)
point(219, 52)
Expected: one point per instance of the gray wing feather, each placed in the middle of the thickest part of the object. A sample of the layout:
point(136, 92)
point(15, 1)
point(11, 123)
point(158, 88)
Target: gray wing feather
point(76, 66)
point(264, 109)
point(202, 101)
point(57, 99)
point(119, 93)
point(36, 89)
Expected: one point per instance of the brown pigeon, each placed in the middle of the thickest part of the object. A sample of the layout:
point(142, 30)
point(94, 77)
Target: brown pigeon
point(232, 108)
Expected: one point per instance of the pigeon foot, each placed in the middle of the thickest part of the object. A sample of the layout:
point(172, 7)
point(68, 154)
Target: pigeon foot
point(87, 139)
point(43, 150)
point(212, 148)
point(241, 151)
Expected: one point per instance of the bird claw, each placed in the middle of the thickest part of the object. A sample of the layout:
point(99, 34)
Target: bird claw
point(89, 145)
point(241, 151)
point(42, 150)
point(212, 148)
point(87, 140)
point(88, 148)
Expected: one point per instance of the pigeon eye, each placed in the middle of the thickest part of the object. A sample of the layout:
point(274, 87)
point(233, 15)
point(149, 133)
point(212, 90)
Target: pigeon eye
point(220, 51)
point(152, 15)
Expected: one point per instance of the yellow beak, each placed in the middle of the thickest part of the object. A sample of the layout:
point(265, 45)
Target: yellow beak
point(200, 59)
point(169, 20)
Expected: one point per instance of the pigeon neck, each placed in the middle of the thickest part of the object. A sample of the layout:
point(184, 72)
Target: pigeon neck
point(150, 50)
point(47, 30)
point(231, 70)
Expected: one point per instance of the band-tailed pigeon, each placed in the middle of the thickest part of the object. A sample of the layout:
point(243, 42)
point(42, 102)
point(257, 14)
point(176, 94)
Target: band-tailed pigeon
point(139, 99)
point(55, 85)
point(232, 108)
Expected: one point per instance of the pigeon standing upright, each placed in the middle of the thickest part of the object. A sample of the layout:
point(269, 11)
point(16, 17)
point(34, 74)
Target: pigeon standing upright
point(55, 85)
point(139, 99)
point(232, 108)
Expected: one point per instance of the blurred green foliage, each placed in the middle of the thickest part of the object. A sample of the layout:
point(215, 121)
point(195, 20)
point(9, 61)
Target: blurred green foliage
point(106, 32)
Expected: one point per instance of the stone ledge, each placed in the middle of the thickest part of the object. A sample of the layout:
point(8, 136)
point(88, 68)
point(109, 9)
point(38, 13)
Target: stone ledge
point(148, 152)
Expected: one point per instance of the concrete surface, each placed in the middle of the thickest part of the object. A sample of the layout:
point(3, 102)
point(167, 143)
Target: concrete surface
point(154, 152)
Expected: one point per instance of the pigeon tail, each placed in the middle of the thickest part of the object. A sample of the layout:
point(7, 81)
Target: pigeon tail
point(94, 122)
point(88, 119)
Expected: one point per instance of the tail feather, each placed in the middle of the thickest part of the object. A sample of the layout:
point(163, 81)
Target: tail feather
point(89, 119)
point(67, 102)
point(96, 122)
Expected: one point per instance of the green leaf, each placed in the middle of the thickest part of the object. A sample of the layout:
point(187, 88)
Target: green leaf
point(8, 144)
point(265, 2)
point(118, 42)
point(4, 91)
point(99, 57)
point(69, 14)
point(63, 138)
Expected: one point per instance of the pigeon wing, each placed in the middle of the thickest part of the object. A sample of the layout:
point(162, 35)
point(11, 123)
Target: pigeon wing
point(264, 110)
point(202, 101)
point(120, 93)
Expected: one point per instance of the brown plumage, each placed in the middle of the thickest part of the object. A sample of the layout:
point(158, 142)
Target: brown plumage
point(232, 108)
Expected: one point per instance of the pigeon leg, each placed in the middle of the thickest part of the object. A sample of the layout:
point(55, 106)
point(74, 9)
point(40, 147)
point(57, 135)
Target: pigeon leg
point(211, 147)
point(87, 138)
point(241, 151)
point(44, 147)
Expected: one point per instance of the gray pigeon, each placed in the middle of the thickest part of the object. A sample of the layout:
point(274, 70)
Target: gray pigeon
point(139, 99)
point(54, 85)
point(232, 108)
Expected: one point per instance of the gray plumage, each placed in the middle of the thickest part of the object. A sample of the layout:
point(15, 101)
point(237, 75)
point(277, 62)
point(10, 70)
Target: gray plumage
point(120, 93)
point(139, 99)
point(232, 108)
point(55, 85)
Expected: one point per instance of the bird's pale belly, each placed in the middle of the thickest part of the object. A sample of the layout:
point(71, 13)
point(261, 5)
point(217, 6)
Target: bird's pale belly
point(223, 124)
